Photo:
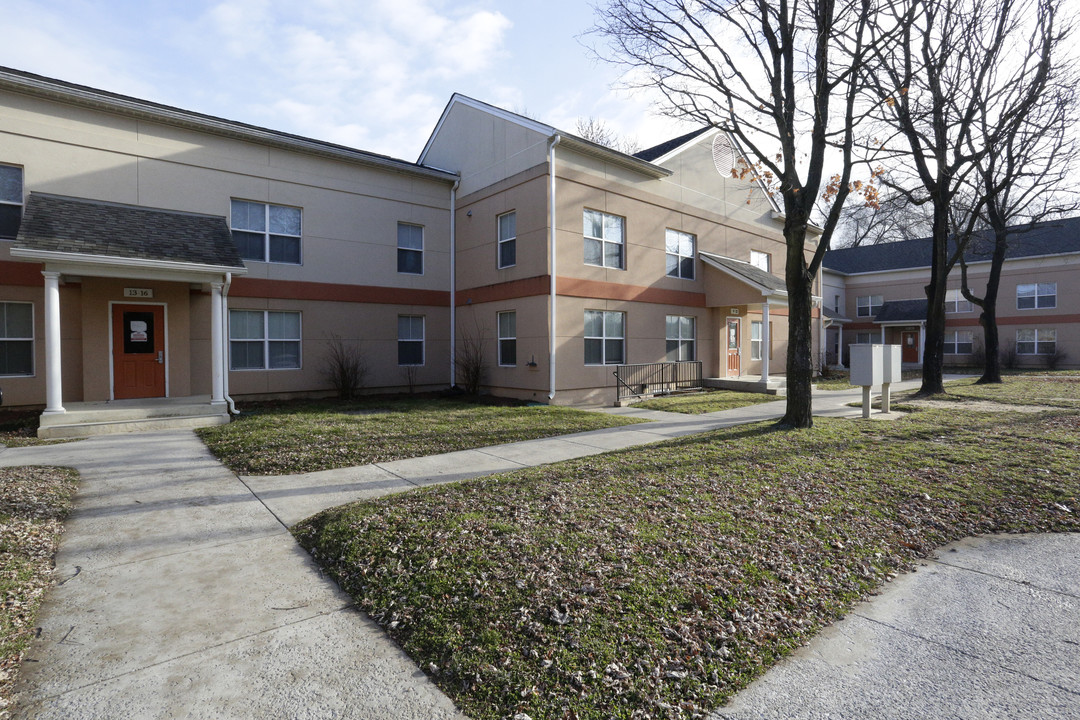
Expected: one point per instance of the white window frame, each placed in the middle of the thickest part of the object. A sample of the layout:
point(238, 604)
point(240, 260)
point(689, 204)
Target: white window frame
point(681, 341)
point(1037, 292)
point(604, 241)
point(953, 342)
point(864, 338)
point(604, 338)
point(506, 338)
point(422, 340)
point(678, 237)
point(267, 234)
point(761, 260)
point(510, 240)
point(866, 307)
point(12, 203)
point(955, 302)
point(266, 340)
point(1038, 337)
point(33, 345)
point(419, 250)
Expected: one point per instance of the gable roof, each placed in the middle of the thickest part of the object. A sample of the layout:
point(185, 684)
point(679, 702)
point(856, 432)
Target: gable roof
point(658, 151)
point(768, 283)
point(55, 224)
point(1051, 237)
point(39, 85)
point(570, 140)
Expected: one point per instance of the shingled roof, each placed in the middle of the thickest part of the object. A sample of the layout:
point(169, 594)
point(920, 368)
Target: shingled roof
point(54, 223)
point(658, 151)
point(1052, 237)
point(746, 271)
point(901, 311)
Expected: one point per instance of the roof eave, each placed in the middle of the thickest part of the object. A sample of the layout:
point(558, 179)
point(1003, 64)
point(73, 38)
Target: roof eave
point(118, 262)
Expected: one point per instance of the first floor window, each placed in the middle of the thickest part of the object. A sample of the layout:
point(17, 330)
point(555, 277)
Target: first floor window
point(679, 247)
point(605, 337)
point(410, 253)
point(956, 302)
point(11, 200)
point(410, 340)
point(681, 334)
point(508, 338)
point(958, 342)
point(868, 305)
point(1033, 296)
point(267, 233)
point(507, 240)
point(604, 240)
point(756, 339)
point(1036, 341)
point(264, 340)
point(864, 338)
point(16, 338)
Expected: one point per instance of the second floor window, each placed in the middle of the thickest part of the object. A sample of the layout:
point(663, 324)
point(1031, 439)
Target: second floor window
point(761, 260)
point(680, 254)
point(955, 302)
point(410, 249)
point(1032, 296)
point(266, 233)
point(604, 240)
point(868, 305)
point(507, 240)
point(11, 200)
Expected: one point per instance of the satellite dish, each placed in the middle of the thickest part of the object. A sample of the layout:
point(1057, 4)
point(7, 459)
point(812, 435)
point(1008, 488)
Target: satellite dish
point(723, 154)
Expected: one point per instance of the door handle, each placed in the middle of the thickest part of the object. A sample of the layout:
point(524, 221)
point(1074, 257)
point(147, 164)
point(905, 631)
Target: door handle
point(161, 356)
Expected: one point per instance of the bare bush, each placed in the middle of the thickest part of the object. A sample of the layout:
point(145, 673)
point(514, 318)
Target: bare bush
point(470, 361)
point(1055, 359)
point(1009, 359)
point(344, 367)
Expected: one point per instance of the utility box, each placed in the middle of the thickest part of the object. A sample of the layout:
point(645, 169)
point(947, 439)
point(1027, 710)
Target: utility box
point(891, 368)
point(868, 365)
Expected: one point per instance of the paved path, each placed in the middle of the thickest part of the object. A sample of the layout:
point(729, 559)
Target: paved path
point(183, 595)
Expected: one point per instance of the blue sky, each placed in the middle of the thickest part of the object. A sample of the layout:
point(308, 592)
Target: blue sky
point(372, 74)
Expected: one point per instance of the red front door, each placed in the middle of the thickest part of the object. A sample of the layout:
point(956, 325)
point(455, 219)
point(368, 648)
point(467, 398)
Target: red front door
point(138, 351)
point(733, 369)
point(909, 342)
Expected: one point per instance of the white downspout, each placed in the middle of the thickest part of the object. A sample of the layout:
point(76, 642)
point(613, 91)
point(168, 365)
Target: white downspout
point(225, 343)
point(555, 139)
point(453, 283)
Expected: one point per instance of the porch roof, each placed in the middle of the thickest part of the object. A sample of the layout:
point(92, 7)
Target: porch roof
point(901, 311)
point(765, 283)
point(66, 229)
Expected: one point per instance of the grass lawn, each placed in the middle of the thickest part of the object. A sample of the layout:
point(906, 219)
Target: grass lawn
point(707, 402)
point(658, 581)
point(33, 502)
point(18, 428)
point(838, 380)
point(296, 437)
point(1058, 389)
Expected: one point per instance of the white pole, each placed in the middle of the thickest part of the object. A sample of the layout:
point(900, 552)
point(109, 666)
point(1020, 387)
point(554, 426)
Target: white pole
point(53, 389)
point(217, 351)
point(765, 343)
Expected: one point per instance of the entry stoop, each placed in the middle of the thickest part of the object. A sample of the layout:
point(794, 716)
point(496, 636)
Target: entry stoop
point(777, 384)
point(84, 419)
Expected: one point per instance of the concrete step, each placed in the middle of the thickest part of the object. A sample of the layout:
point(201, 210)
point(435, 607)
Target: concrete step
point(113, 426)
point(109, 412)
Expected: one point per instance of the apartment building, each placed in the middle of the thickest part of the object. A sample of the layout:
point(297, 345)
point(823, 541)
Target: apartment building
point(152, 252)
point(875, 294)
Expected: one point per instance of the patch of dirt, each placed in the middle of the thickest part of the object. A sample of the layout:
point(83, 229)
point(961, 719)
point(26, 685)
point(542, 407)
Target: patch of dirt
point(975, 405)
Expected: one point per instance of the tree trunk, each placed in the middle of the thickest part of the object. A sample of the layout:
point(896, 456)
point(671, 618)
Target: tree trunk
point(988, 318)
point(934, 349)
point(800, 362)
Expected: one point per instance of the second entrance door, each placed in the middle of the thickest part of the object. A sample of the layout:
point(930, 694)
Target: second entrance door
point(138, 351)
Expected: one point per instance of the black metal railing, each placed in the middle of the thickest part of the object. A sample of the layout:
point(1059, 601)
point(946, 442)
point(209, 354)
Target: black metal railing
point(656, 378)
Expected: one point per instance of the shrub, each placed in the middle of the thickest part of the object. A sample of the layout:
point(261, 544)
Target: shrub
point(470, 361)
point(1056, 358)
point(1009, 358)
point(344, 367)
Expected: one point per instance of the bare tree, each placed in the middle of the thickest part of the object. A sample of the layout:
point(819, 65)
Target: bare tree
point(958, 70)
point(768, 73)
point(597, 131)
point(892, 218)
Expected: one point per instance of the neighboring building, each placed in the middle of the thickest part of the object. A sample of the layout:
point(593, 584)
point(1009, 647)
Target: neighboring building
point(877, 294)
point(148, 251)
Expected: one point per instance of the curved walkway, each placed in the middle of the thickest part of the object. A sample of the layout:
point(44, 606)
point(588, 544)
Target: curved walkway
point(182, 594)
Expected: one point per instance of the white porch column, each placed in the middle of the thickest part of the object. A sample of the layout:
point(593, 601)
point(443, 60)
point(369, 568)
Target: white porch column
point(840, 344)
point(217, 354)
point(922, 342)
point(882, 334)
point(53, 388)
point(765, 343)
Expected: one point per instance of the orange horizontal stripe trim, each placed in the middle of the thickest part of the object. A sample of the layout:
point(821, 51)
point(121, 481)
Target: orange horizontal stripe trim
point(20, 273)
point(1034, 320)
point(333, 292)
point(597, 290)
point(527, 287)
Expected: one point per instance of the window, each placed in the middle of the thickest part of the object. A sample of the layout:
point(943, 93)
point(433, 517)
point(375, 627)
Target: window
point(264, 340)
point(603, 240)
point(755, 340)
point(958, 342)
point(680, 254)
point(410, 340)
point(868, 305)
point(761, 260)
point(1036, 342)
point(836, 303)
point(1036, 295)
point(266, 233)
point(410, 250)
point(955, 302)
point(16, 338)
point(11, 200)
point(681, 336)
point(864, 338)
point(508, 338)
point(508, 240)
point(605, 337)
